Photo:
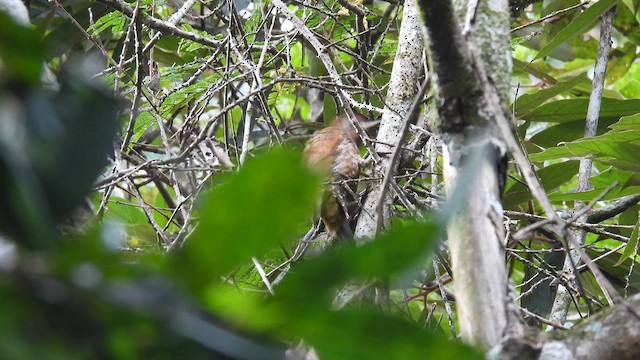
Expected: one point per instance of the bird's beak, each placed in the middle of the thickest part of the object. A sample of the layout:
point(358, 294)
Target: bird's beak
point(368, 124)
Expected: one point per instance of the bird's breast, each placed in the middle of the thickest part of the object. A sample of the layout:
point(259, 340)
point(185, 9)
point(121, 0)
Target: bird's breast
point(319, 153)
point(347, 159)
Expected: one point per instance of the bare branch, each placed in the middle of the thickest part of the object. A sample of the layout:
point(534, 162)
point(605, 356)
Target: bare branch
point(165, 27)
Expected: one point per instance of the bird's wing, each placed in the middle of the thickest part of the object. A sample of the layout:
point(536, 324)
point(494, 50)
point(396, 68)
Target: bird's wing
point(319, 152)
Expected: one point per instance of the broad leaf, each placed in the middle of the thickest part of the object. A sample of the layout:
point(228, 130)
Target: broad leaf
point(401, 247)
point(569, 131)
point(618, 150)
point(551, 177)
point(576, 109)
point(617, 274)
point(632, 246)
point(532, 69)
point(344, 335)
point(528, 102)
point(551, 154)
point(627, 123)
point(578, 26)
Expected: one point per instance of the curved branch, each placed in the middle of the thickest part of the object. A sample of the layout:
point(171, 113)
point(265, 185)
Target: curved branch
point(164, 27)
point(611, 210)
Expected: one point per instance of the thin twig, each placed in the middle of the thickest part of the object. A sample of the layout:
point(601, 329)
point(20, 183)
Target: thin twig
point(162, 26)
point(552, 15)
point(263, 275)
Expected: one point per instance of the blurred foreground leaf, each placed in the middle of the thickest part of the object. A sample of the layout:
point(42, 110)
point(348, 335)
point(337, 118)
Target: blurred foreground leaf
point(52, 148)
point(257, 209)
point(21, 51)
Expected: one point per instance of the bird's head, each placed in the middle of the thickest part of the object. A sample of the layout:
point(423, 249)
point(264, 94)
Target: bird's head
point(346, 127)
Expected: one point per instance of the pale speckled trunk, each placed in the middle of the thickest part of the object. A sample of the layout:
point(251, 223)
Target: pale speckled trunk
point(403, 86)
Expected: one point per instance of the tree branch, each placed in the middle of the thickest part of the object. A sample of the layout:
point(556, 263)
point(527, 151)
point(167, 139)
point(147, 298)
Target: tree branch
point(563, 297)
point(164, 27)
point(611, 210)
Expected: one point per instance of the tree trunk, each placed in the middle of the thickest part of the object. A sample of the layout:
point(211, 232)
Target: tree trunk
point(474, 155)
point(403, 87)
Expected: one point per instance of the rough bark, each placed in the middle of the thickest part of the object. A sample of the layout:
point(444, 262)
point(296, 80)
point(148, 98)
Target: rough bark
point(472, 143)
point(610, 334)
point(403, 87)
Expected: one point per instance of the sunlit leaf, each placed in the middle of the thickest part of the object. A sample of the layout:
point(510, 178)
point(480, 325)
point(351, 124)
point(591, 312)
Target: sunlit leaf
point(530, 101)
point(551, 154)
point(627, 123)
point(618, 150)
point(631, 247)
point(579, 25)
point(576, 109)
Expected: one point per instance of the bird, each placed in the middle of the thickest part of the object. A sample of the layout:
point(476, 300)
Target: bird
point(333, 151)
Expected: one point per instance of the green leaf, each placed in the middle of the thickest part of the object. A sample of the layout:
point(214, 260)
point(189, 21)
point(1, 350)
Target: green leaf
point(20, 50)
point(391, 252)
point(144, 121)
point(620, 62)
point(634, 180)
point(578, 26)
point(404, 247)
point(627, 123)
point(551, 154)
point(617, 274)
point(599, 147)
point(619, 163)
point(301, 306)
point(569, 131)
point(114, 20)
point(383, 337)
point(533, 70)
point(631, 247)
point(600, 181)
point(590, 195)
point(626, 136)
point(629, 5)
point(528, 102)
point(257, 209)
point(551, 177)
point(576, 109)
point(629, 217)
